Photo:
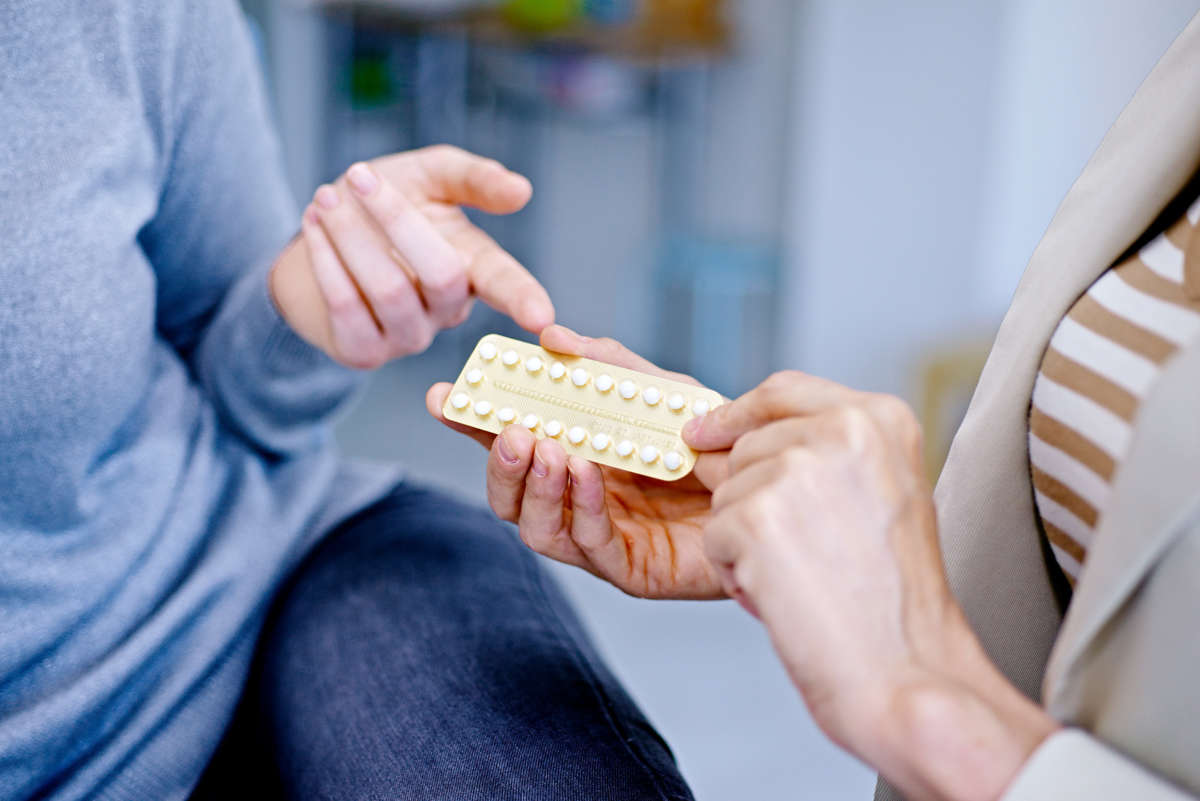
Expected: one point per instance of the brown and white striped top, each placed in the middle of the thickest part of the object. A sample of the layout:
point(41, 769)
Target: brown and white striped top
point(1102, 361)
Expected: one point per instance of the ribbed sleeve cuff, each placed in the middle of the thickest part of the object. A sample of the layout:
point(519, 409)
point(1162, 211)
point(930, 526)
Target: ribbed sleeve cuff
point(267, 382)
point(283, 351)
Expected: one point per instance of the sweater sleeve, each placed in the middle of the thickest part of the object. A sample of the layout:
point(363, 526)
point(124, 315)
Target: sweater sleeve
point(224, 215)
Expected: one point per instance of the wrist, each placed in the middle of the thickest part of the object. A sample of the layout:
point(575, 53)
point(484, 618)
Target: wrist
point(296, 297)
point(959, 740)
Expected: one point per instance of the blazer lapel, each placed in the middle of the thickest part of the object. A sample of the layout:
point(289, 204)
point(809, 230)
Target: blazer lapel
point(1157, 491)
point(985, 501)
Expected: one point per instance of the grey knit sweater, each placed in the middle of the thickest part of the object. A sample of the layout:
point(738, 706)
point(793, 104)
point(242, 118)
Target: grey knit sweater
point(164, 455)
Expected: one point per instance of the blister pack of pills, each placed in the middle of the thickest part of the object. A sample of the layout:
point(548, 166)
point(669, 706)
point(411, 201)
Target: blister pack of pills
point(607, 414)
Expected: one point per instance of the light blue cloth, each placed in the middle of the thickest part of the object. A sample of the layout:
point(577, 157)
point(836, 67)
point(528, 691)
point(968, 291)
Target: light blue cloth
point(164, 451)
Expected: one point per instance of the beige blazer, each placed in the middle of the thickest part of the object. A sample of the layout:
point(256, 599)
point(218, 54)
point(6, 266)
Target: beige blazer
point(1122, 670)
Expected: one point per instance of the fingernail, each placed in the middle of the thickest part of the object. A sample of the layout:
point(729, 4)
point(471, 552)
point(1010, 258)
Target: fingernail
point(362, 178)
point(327, 196)
point(692, 427)
point(506, 451)
point(539, 467)
point(310, 216)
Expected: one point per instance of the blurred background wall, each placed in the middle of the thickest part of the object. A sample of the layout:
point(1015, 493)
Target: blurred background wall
point(850, 187)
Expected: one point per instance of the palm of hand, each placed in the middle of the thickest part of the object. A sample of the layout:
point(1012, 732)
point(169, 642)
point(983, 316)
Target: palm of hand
point(659, 525)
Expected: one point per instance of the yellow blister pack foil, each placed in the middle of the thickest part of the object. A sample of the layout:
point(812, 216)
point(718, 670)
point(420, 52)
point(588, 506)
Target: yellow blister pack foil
point(608, 414)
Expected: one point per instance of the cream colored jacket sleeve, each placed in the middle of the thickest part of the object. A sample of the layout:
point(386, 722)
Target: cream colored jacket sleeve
point(1074, 766)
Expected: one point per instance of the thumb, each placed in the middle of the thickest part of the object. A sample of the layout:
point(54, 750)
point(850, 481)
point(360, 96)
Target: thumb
point(560, 339)
point(785, 394)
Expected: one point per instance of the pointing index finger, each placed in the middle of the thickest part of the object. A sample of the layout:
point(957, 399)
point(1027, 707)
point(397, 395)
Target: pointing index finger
point(502, 283)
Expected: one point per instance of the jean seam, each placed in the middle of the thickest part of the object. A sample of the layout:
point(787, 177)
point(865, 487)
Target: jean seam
point(584, 664)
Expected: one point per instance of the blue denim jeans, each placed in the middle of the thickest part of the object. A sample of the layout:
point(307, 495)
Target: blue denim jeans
point(421, 652)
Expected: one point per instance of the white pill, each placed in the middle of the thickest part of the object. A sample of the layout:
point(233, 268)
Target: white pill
point(601, 441)
point(487, 351)
point(675, 401)
point(649, 454)
point(624, 448)
point(474, 376)
point(557, 371)
point(604, 382)
point(699, 407)
point(627, 389)
point(673, 460)
point(533, 364)
point(576, 435)
point(530, 421)
point(483, 408)
point(651, 395)
point(460, 401)
point(510, 358)
point(579, 377)
point(506, 415)
point(553, 428)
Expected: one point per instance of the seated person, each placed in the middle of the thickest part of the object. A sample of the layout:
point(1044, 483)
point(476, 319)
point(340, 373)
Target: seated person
point(168, 473)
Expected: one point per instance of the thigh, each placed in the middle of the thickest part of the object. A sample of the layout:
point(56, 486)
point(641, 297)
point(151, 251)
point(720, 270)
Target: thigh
point(422, 653)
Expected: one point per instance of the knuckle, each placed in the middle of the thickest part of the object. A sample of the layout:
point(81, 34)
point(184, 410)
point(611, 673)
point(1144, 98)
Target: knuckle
point(394, 293)
point(742, 451)
point(793, 461)
point(892, 410)
point(894, 421)
point(855, 425)
point(366, 357)
point(500, 506)
point(776, 392)
point(415, 339)
point(343, 305)
point(755, 516)
point(463, 314)
point(719, 496)
point(782, 380)
point(449, 279)
point(609, 348)
point(397, 217)
point(443, 150)
point(527, 537)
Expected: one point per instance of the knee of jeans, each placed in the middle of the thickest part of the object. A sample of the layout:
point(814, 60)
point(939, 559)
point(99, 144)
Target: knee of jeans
point(427, 556)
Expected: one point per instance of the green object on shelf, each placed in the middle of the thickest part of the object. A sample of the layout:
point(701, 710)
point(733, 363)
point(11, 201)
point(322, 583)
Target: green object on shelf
point(542, 15)
point(370, 81)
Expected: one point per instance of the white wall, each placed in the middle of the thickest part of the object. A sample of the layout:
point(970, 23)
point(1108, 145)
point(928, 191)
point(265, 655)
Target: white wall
point(934, 141)
point(891, 108)
point(1068, 69)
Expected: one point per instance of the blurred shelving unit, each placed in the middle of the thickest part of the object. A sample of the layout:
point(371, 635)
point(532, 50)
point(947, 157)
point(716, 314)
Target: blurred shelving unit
point(380, 76)
point(676, 29)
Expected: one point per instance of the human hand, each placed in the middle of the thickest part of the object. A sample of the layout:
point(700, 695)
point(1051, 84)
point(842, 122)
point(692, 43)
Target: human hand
point(641, 534)
point(387, 257)
point(825, 528)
